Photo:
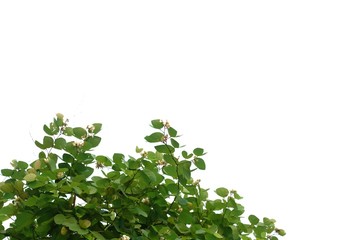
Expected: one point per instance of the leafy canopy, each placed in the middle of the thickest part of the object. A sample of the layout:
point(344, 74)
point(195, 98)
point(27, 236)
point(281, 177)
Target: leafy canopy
point(152, 196)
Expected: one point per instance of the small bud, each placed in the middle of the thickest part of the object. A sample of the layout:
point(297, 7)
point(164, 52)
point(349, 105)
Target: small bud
point(60, 116)
point(161, 162)
point(90, 128)
point(99, 165)
point(164, 138)
point(78, 144)
point(144, 154)
point(60, 175)
point(196, 182)
point(124, 237)
point(180, 209)
point(167, 124)
point(145, 200)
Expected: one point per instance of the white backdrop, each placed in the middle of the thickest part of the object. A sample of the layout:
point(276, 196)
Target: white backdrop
point(270, 89)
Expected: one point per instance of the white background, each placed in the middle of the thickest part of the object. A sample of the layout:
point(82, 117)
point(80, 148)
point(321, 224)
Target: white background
point(270, 89)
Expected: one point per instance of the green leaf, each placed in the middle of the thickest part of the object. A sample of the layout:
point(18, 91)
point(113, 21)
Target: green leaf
point(200, 163)
point(68, 131)
point(184, 171)
point(186, 155)
point(281, 232)
point(253, 219)
point(222, 192)
point(97, 127)
point(103, 183)
point(150, 174)
point(217, 235)
point(133, 164)
point(30, 177)
point(60, 143)
point(47, 130)
point(8, 210)
point(155, 137)
point(104, 160)
point(68, 158)
point(174, 143)
point(7, 172)
point(170, 170)
point(98, 236)
point(7, 187)
point(69, 222)
point(48, 142)
point(198, 151)
point(186, 217)
point(165, 149)
point(138, 150)
point(94, 141)
point(182, 228)
point(157, 123)
point(23, 220)
point(169, 159)
point(79, 132)
point(39, 145)
point(172, 132)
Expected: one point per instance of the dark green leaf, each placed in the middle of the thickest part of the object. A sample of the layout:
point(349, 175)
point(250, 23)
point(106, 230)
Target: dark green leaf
point(174, 143)
point(155, 137)
point(98, 236)
point(172, 132)
point(200, 163)
point(165, 149)
point(79, 132)
point(103, 183)
point(198, 151)
point(7, 172)
point(157, 123)
point(8, 210)
point(170, 170)
point(169, 159)
point(182, 228)
point(281, 232)
point(68, 158)
point(104, 160)
point(184, 171)
point(23, 220)
point(68, 131)
point(22, 165)
point(60, 143)
point(133, 164)
point(39, 145)
point(48, 131)
point(97, 127)
point(186, 217)
point(48, 142)
point(253, 219)
point(186, 155)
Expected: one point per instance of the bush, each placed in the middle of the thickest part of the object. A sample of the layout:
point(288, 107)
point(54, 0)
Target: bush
point(152, 196)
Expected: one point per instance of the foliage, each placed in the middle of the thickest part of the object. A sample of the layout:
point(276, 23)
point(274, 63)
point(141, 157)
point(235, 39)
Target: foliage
point(153, 196)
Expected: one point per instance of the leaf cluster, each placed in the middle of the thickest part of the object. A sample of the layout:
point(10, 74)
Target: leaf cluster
point(153, 196)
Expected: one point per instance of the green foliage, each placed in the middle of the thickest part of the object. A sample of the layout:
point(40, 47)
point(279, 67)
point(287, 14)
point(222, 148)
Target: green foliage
point(68, 192)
